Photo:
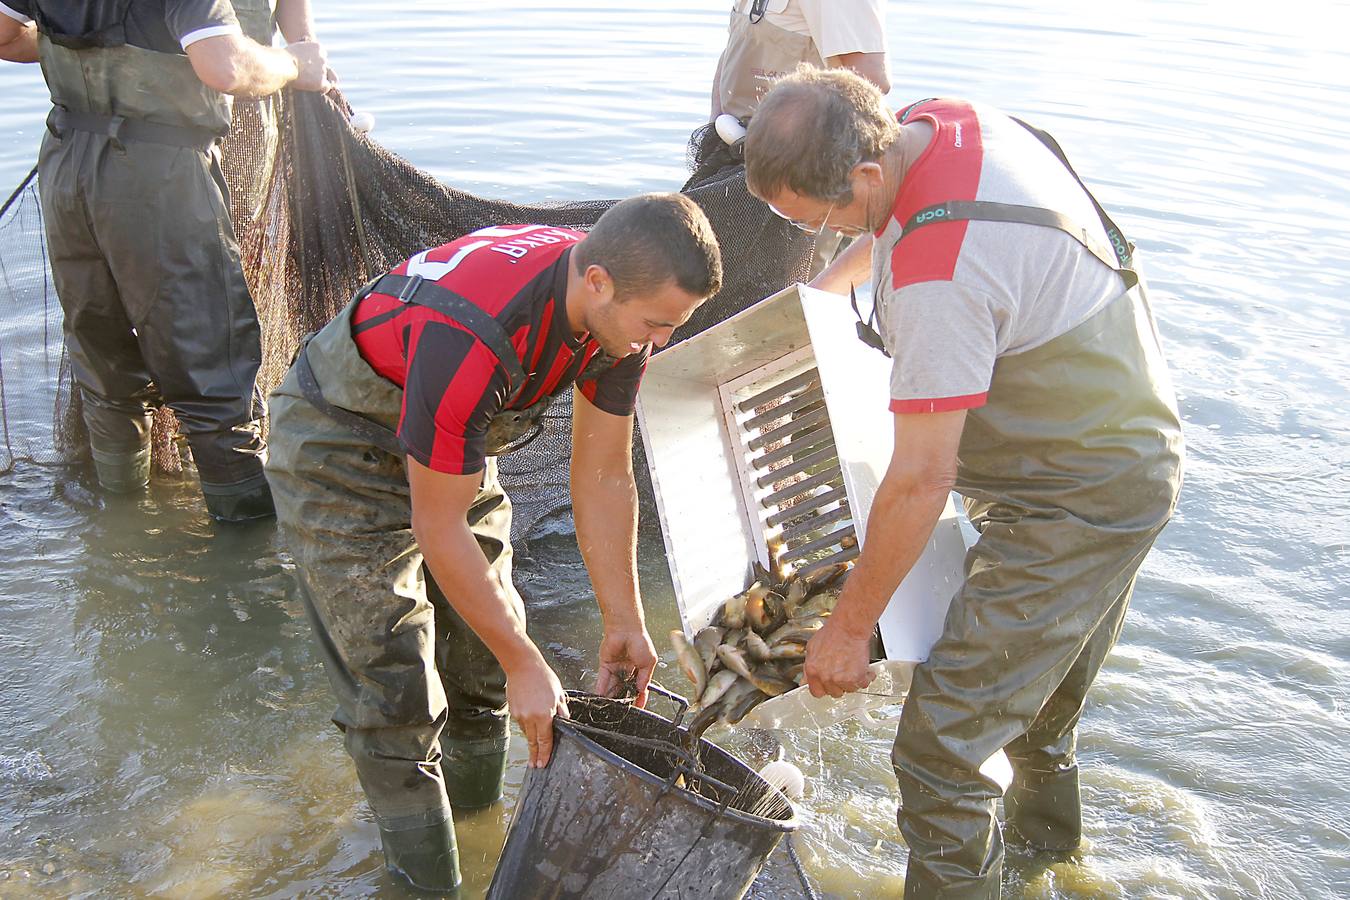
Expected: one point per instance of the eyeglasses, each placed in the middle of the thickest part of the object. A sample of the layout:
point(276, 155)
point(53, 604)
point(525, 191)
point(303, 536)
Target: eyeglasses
point(814, 226)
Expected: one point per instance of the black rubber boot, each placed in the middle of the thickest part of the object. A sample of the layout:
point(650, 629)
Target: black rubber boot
point(426, 857)
point(239, 502)
point(122, 471)
point(474, 770)
point(1044, 810)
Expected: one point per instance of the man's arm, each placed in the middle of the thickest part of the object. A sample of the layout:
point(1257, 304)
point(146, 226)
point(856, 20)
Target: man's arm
point(234, 64)
point(871, 66)
point(440, 506)
point(850, 268)
point(907, 506)
point(604, 506)
point(18, 40)
point(296, 20)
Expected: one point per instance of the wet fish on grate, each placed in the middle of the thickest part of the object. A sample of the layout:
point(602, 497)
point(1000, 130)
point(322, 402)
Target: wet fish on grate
point(759, 640)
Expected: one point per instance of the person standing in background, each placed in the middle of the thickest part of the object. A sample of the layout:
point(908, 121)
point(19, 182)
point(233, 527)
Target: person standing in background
point(768, 38)
point(142, 248)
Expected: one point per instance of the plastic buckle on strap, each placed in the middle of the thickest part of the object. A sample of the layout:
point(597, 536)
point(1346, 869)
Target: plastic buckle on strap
point(115, 131)
point(409, 289)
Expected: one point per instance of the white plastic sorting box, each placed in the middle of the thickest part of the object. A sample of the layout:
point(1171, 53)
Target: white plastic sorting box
point(773, 428)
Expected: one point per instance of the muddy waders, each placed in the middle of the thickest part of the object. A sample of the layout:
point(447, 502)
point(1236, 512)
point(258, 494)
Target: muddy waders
point(145, 263)
point(421, 700)
point(1069, 472)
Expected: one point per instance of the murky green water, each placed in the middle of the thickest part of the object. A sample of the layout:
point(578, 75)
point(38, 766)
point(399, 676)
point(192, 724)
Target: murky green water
point(165, 719)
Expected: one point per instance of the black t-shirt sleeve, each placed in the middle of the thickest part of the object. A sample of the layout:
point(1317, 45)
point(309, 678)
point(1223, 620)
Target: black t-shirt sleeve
point(183, 17)
point(615, 389)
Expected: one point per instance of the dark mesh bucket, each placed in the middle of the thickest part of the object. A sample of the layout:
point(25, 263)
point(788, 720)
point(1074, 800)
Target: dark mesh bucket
point(623, 810)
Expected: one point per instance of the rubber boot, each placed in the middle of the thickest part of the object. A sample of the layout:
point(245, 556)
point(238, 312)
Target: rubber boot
point(1045, 809)
point(239, 502)
point(474, 770)
point(122, 471)
point(426, 857)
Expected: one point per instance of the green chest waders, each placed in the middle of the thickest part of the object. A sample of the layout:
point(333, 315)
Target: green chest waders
point(757, 52)
point(421, 700)
point(146, 266)
point(1069, 472)
point(257, 18)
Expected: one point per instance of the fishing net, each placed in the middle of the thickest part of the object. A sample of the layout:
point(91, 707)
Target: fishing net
point(318, 210)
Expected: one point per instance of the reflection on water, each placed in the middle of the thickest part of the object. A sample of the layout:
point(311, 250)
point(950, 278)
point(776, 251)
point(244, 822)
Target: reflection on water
point(167, 727)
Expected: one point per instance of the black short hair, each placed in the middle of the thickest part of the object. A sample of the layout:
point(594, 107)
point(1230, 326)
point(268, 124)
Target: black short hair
point(647, 241)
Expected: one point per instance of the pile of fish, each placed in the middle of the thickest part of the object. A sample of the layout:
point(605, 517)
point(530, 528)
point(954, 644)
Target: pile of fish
point(756, 645)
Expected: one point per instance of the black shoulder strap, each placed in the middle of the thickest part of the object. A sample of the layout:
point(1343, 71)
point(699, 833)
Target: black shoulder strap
point(416, 289)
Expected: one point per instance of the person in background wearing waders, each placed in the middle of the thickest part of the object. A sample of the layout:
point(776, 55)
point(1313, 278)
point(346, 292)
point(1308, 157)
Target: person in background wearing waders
point(142, 249)
point(1027, 375)
point(382, 462)
point(766, 39)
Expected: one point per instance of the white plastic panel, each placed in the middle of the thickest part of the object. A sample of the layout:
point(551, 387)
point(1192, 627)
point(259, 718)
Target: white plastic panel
point(856, 380)
point(711, 534)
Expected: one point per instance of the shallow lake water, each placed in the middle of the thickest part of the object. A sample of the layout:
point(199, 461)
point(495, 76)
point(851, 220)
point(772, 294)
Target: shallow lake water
point(166, 719)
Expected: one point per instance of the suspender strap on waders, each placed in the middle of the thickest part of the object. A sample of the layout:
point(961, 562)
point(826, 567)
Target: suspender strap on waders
point(1120, 258)
point(377, 434)
point(416, 289)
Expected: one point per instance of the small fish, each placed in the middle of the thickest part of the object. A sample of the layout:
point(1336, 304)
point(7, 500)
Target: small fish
point(795, 630)
point(826, 577)
point(820, 604)
point(733, 611)
point(691, 664)
point(755, 647)
point(796, 593)
point(734, 660)
point(706, 641)
point(765, 612)
point(788, 650)
point(770, 682)
point(701, 718)
point(733, 712)
point(736, 698)
point(718, 685)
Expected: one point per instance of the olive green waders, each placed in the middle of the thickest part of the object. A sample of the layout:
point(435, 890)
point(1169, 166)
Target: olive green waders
point(145, 263)
point(1069, 472)
point(411, 678)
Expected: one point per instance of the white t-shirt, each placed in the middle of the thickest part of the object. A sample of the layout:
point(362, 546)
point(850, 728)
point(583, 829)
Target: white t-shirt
point(835, 26)
point(955, 296)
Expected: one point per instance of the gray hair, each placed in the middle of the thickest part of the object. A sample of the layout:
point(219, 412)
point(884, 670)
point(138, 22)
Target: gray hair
point(811, 129)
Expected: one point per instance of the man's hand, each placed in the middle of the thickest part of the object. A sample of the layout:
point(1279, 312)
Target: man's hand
point(836, 661)
point(312, 63)
point(626, 656)
point(535, 696)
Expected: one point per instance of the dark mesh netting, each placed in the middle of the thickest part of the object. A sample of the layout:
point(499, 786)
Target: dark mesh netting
point(319, 209)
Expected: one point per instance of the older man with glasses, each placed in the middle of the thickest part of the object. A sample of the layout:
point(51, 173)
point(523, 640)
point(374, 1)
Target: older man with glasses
point(1028, 377)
